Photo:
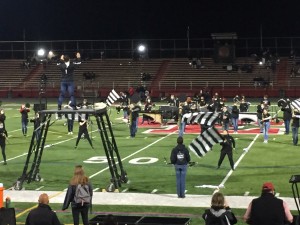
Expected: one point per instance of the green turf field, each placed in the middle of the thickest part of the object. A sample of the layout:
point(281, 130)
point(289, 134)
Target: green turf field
point(143, 158)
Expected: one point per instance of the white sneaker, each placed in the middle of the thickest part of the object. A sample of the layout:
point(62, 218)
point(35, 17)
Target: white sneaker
point(265, 141)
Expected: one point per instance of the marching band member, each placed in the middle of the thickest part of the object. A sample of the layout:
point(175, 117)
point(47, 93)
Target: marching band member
point(134, 110)
point(266, 118)
point(2, 142)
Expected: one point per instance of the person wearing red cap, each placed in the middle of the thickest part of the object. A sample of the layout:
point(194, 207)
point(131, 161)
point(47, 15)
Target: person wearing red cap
point(267, 209)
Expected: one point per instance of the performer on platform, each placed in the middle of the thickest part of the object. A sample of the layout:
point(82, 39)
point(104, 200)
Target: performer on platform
point(67, 68)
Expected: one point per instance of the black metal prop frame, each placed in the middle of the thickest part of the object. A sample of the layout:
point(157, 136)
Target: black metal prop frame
point(38, 140)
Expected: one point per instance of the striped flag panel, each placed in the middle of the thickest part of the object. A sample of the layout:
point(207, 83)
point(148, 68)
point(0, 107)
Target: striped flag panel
point(112, 97)
point(204, 142)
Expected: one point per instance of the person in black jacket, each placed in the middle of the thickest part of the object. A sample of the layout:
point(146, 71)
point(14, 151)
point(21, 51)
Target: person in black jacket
point(235, 117)
point(219, 212)
point(180, 157)
point(287, 116)
point(78, 178)
point(295, 126)
point(267, 209)
point(2, 119)
point(43, 214)
point(83, 130)
point(134, 110)
point(67, 68)
point(3, 142)
point(24, 118)
point(228, 145)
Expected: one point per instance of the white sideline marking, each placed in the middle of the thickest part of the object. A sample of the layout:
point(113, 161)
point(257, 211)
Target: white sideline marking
point(277, 194)
point(246, 193)
point(125, 190)
point(39, 188)
point(154, 191)
point(96, 189)
point(239, 160)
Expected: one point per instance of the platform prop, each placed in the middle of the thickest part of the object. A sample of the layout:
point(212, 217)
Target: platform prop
point(31, 171)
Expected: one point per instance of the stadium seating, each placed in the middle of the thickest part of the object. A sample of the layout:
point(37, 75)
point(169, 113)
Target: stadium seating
point(167, 76)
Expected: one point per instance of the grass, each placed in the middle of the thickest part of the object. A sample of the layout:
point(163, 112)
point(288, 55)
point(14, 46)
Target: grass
point(275, 162)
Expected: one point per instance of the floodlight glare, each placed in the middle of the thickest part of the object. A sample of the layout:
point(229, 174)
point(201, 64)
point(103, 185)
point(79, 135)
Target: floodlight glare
point(41, 52)
point(50, 54)
point(142, 48)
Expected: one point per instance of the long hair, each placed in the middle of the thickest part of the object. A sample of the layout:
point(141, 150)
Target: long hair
point(79, 176)
point(218, 200)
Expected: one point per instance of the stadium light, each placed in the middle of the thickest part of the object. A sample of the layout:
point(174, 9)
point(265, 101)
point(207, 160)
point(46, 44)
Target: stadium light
point(141, 48)
point(41, 52)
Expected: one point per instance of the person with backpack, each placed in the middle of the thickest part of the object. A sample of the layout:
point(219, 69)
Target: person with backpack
point(180, 157)
point(219, 212)
point(79, 194)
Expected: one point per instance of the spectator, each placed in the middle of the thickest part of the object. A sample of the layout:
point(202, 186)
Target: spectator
point(79, 178)
point(267, 209)
point(180, 157)
point(43, 214)
point(220, 212)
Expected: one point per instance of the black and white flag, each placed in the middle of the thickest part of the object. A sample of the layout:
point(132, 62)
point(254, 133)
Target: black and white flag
point(204, 142)
point(112, 97)
point(296, 104)
point(204, 118)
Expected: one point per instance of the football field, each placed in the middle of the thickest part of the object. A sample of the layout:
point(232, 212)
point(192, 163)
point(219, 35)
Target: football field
point(146, 158)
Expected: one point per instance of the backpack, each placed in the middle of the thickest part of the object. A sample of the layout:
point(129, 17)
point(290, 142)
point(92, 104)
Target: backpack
point(82, 194)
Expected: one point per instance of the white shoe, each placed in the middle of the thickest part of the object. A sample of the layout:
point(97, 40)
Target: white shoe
point(265, 141)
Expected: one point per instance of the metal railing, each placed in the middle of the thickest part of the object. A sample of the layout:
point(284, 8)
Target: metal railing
point(156, 48)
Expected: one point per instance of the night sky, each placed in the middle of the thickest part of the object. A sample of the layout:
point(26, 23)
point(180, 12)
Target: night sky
point(122, 19)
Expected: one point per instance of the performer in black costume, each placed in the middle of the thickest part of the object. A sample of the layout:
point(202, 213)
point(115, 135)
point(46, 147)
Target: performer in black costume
point(83, 130)
point(2, 142)
point(227, 144)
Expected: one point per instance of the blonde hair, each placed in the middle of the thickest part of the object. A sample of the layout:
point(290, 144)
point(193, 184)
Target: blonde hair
point(218, 200)
point(79, 176)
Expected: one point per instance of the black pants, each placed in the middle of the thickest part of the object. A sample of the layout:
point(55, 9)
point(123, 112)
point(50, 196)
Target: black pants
point(2, 145)
point(222, 156)
point(86, 135)
point(83, 210)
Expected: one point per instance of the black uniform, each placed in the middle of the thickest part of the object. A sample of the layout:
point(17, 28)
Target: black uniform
point(2, 142)
point(83, 130)
point(227, 144)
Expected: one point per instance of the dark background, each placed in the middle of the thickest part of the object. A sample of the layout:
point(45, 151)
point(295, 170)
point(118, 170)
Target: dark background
point(140, 19)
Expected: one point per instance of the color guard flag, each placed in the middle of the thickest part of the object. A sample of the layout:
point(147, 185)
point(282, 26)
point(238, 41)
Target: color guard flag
point(204, 118)
point(204, 142)
point(112, 97)
point(296, 104)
